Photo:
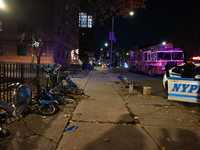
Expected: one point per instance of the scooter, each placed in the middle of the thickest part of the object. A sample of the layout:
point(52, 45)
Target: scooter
point(21, 101)
point(64, 83)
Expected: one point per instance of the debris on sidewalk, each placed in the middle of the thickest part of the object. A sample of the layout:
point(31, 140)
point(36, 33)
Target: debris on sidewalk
point(67, 115)
point(106, 140)
point(72, 128)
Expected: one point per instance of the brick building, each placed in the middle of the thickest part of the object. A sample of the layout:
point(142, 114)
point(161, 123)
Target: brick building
point(52, 25)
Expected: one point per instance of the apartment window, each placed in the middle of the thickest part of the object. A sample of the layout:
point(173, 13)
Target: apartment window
point(67, 38)
point(21, 49)
point(63, 17)
point(63, 36)
point(58, 32)
point(58, 54)
point(1, 49)
point(1, 27)
point(21, 27)
point(58, 11)
point(66, 54)
point(62, 55)
point(67, 6)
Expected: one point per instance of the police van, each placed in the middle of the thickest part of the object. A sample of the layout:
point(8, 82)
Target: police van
point(179, 88)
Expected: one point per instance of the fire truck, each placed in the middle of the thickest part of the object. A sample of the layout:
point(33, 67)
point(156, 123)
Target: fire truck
point(152, 60)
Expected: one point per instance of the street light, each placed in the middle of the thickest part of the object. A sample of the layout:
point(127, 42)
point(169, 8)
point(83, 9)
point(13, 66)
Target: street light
point(2, 5)
point(112, 38)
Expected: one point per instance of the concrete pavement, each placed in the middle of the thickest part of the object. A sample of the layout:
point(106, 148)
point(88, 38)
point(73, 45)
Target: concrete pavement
point(113, 119)
point(108, 118)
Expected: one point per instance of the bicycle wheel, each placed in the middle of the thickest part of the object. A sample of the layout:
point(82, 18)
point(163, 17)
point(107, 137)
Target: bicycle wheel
point(48, 109)
point(66, 100)
point(76, 91)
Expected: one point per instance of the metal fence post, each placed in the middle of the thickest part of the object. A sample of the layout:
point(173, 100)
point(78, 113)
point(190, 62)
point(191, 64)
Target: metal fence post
point(22, 73)
point(38, 79)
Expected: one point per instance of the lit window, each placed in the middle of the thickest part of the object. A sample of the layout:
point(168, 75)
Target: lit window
point(85, 21)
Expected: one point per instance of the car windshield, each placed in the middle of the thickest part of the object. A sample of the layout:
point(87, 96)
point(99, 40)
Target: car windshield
point(170, 55)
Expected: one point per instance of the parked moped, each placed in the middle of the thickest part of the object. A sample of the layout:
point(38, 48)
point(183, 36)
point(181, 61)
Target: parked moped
point(21, 100)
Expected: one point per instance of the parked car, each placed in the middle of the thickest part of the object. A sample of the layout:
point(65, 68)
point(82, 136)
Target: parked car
point(176, 72)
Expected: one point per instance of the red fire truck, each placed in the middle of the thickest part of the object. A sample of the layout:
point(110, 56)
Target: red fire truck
point(152, 60)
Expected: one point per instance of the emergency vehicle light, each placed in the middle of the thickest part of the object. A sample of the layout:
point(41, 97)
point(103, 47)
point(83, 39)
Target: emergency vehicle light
point(196, 58)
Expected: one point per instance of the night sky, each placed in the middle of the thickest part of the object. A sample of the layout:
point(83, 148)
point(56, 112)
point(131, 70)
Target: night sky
point(153, 25)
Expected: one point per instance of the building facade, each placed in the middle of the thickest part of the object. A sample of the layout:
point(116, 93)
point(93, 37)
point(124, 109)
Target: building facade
point(86, 38)
point(35, 31)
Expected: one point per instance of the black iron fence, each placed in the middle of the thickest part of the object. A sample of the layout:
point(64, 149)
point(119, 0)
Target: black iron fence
point(30, 74)
point(24, 73)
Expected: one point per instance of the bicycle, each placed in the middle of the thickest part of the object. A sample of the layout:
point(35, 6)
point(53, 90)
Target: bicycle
point(58, 80)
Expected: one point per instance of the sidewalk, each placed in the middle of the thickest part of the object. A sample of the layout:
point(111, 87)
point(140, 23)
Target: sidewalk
point(106, 121)
point(108, 118)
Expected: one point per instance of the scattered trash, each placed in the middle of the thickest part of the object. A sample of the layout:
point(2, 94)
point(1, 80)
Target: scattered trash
point(163, 148)
point(72, 128)
point(131, 87)
point(95, 121)
point(168, 139)
point(67, 115)
point(124, 124)
point(106, 140)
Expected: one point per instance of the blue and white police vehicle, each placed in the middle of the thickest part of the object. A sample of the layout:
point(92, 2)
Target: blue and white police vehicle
point(182, 89)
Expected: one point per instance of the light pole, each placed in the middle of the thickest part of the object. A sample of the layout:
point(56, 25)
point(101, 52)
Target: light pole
point(111, 38)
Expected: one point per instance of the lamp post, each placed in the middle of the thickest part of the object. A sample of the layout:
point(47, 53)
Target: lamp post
point(111, 38)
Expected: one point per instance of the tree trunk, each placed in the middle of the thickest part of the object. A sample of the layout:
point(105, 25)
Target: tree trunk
point(33, 55)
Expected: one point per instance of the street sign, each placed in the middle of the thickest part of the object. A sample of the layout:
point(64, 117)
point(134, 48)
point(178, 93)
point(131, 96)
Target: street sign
point(111, 36)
